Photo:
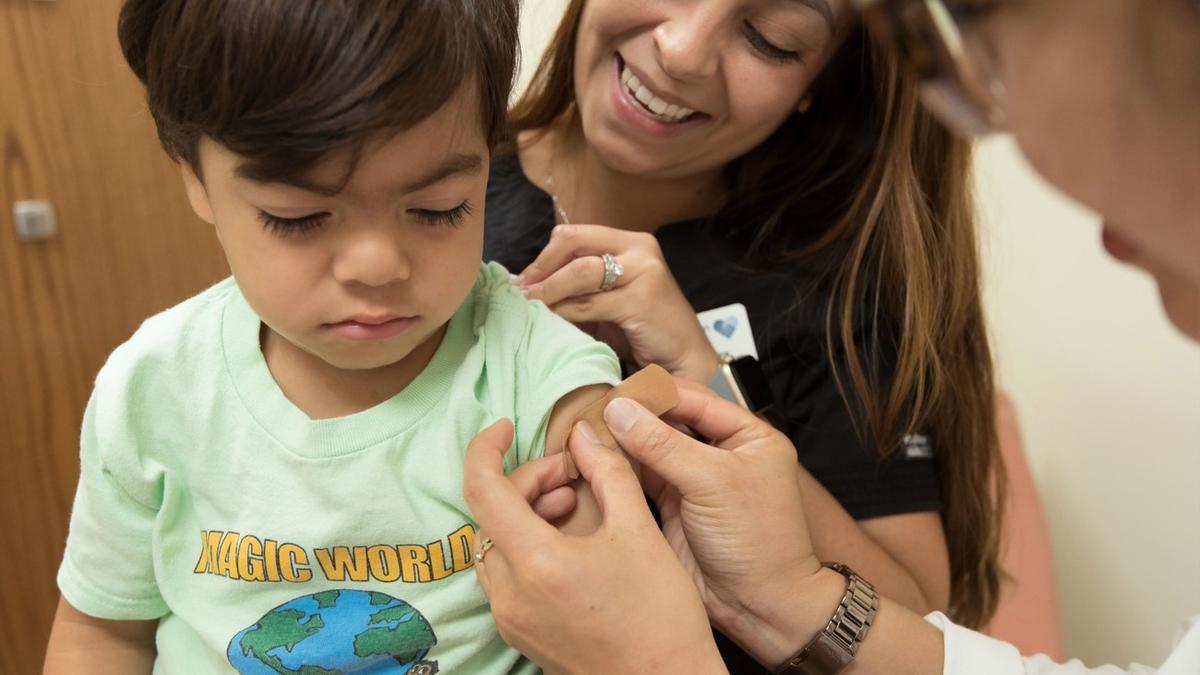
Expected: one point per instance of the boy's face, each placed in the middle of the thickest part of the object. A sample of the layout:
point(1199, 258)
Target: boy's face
point(365, 277)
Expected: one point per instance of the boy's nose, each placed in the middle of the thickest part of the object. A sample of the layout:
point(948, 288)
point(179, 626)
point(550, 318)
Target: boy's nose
point(372, 259)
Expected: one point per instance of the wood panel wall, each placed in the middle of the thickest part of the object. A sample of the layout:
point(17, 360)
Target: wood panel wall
point(74, 131)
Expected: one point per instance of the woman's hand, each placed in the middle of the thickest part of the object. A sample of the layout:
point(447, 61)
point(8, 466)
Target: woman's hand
point(613, 601)
point(618, 600)
point(644, 317)
point(732, 512)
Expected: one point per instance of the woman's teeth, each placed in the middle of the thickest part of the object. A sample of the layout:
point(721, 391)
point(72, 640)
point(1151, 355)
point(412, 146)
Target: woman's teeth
point(658, 108)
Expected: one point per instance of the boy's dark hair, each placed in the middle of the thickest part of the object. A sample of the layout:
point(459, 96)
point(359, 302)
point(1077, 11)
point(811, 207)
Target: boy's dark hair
point(284, 83)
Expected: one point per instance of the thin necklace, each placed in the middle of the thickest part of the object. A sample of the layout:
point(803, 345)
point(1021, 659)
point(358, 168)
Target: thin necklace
point(560, 212)
point(558, 207)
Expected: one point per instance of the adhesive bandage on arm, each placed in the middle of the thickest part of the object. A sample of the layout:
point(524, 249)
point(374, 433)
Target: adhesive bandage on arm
point(652, 386)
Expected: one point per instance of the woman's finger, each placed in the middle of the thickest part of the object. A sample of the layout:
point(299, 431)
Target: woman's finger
point(537, 477)
point(568, 242)
point(494, 570)
point(500, 505)
point(608, 307)
point(557, 503)
point(677, 458)
point(724, 423)
point(579, 276)
point(481, 572)
point(616, 487)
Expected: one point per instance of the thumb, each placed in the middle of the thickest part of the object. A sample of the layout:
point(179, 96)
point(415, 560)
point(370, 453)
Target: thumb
point(496, 438)
point(614, 484)
point(676, 457)
point(499, 506)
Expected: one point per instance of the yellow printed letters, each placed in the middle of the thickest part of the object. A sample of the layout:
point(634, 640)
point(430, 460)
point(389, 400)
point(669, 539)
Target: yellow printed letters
point(251, 558)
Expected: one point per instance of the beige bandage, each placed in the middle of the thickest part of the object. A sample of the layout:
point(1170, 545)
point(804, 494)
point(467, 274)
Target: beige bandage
point(652, 386)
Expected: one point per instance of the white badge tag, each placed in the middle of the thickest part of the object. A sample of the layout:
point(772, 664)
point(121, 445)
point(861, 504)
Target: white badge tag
point(728, 329)
point(917, 446)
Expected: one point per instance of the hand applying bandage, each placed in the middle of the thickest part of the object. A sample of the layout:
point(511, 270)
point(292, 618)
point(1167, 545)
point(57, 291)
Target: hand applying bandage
point(652, 386)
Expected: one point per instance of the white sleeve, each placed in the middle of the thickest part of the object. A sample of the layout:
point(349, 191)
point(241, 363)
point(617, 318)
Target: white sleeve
point(971, 653)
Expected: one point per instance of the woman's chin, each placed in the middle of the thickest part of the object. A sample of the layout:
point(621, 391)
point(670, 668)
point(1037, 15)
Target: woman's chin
point(620, 153)
point(1181, 301)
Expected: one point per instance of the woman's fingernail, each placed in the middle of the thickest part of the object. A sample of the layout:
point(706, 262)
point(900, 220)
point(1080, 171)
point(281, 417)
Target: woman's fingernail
point(525, 291)
point(586, 431)
point(620, 414)
point(519, 280)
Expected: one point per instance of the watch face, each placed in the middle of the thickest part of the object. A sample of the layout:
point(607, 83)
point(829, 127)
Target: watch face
point(750, 379)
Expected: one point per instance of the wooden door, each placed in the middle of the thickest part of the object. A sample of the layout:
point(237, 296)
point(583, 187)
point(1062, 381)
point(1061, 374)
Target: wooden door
point(73, 131)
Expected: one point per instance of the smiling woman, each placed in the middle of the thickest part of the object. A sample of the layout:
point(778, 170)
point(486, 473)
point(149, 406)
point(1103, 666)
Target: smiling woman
point(767, 153)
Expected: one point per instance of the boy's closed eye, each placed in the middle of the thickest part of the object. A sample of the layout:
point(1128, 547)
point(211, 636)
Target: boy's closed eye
point(310, 223)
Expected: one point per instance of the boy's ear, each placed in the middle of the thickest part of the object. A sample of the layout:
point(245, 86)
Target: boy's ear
point(197, 194)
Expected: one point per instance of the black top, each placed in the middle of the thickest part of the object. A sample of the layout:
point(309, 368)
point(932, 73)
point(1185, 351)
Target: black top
point(786, 311)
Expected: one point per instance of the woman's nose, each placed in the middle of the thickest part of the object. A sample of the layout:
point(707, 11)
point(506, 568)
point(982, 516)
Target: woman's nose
point(687, 42)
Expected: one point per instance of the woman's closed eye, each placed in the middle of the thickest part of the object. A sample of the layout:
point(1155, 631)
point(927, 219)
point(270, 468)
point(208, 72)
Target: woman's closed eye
point(768, 49)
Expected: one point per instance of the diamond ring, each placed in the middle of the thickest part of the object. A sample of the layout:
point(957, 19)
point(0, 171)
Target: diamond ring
point(612, 272)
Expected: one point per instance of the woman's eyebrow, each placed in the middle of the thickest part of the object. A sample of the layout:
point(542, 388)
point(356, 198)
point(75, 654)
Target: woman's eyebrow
point(821, 7)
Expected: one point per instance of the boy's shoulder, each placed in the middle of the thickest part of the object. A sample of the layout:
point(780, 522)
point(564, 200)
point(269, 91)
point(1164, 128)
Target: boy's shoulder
point(525, 336)
point(174, 338)
point(494, 289)
point(504, 316)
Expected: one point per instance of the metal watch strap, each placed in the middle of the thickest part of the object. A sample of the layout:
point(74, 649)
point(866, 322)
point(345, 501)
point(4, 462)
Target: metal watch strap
point(723, 384)
point(834, 648)
point(742, 381)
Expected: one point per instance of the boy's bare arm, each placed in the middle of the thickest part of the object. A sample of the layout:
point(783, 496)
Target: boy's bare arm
point(84, 644)
point(586, 516)
point(651, 386)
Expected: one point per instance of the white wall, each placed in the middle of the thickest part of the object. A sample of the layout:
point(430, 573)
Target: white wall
point(539, 18)
point(1109, 397)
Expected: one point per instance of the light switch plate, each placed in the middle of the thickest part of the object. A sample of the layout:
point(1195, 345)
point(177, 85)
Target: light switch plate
point(34, 220)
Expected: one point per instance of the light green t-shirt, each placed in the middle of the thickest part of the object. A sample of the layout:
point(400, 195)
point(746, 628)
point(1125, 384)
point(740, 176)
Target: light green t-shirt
point(266, 542)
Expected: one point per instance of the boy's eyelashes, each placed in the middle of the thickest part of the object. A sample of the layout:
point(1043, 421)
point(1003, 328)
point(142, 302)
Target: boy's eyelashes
point(292, 226)
point(451, 218)
point(303, 225)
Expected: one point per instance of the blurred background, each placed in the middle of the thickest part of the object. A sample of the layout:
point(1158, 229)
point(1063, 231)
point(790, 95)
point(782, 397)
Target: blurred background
point(1106, 392)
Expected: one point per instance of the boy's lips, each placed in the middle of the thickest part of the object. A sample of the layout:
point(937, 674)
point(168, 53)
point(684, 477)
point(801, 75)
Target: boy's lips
point(373, 327)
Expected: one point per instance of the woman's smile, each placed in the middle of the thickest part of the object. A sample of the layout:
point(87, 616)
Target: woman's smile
point(658, 107)
point(648, 110)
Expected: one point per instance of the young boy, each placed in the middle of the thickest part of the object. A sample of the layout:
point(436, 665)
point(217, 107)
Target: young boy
point(271, 471)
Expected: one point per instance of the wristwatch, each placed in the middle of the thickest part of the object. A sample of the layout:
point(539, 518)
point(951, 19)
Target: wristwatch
point(742, 381)
point(834, 648)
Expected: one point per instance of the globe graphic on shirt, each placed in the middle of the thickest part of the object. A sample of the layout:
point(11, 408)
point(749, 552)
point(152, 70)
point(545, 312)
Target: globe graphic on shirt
point(339, 631)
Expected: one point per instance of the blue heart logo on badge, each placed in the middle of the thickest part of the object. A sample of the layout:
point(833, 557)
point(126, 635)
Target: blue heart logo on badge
point(726, 326)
